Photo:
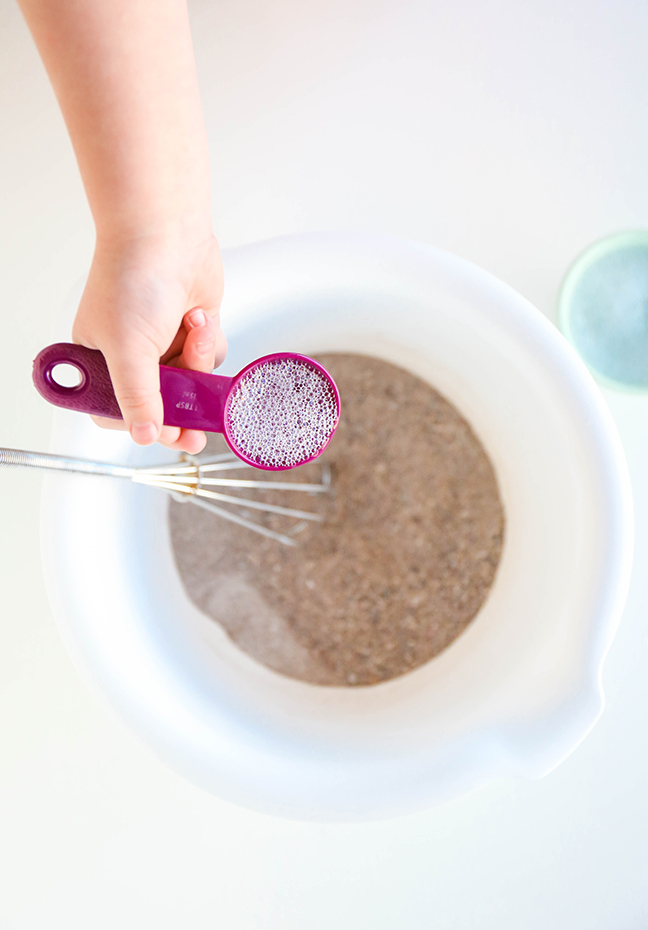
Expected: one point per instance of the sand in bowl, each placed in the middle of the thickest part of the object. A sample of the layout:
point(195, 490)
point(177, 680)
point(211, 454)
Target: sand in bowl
point(410, 543)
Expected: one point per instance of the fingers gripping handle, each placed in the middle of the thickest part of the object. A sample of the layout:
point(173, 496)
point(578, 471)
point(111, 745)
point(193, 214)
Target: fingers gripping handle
point(192, 399)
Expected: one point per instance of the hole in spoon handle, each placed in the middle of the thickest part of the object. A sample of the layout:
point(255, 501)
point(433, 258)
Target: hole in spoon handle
point(93, 394)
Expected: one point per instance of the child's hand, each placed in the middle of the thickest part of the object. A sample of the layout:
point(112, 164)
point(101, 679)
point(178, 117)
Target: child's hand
point(154, 300)
point(125, 76)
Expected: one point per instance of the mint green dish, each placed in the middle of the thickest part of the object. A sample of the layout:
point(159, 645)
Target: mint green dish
point(603, 310)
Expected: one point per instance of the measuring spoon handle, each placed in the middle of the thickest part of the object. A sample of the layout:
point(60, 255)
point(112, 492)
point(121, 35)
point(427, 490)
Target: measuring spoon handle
point(192, 399)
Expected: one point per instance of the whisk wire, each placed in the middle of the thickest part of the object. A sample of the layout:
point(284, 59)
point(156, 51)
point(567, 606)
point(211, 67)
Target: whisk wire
point(151, 478)
point(236, 518)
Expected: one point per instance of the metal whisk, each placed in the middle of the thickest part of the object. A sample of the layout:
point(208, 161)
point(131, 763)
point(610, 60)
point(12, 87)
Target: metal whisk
point(191, 479)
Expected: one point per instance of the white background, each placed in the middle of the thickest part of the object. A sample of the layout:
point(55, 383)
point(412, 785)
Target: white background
point(511, 133)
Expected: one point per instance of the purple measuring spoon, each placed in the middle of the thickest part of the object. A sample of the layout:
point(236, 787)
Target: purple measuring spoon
point(278, 412)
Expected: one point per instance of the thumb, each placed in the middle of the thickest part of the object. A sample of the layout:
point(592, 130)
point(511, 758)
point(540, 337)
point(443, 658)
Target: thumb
point(135, 374)
point(204, 345)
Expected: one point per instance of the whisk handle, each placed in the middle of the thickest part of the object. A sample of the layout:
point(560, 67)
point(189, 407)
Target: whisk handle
point(20, 458)
point(192, 399)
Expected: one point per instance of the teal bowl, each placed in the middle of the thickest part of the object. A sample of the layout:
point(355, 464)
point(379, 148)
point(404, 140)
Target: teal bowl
point(603, 310)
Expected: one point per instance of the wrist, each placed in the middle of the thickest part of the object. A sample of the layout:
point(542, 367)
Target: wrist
point(173, 201)
point(185, 231)
point(176, 254)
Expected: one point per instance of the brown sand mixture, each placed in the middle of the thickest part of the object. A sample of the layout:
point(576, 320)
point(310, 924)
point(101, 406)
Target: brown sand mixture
point(403, 561)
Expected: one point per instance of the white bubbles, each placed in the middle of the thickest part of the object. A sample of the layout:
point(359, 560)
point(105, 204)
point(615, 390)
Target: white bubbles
point(282, 413)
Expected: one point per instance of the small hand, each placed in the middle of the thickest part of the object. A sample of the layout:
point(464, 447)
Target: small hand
point(151, 301)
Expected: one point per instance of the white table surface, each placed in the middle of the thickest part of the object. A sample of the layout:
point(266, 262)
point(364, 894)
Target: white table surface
point(511, 133)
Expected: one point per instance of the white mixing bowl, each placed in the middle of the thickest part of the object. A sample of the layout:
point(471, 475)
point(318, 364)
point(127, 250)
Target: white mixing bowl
point(513, 695)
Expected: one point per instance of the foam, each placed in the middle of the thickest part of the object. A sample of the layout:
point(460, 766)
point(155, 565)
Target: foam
point(282, 413)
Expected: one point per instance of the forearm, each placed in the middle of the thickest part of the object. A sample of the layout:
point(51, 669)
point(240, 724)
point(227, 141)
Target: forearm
point(124, 75)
